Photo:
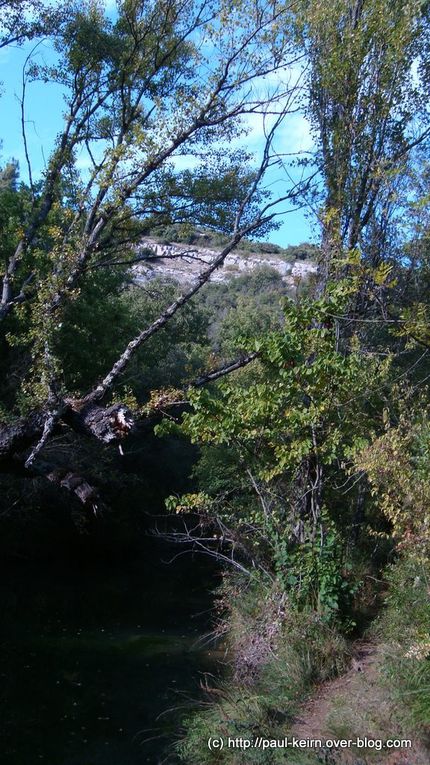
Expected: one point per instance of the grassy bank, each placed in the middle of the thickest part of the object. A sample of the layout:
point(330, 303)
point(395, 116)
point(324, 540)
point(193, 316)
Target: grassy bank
point(278, 658)
point(275, 656)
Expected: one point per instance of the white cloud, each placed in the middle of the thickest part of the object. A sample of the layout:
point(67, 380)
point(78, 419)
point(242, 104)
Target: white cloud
point(293, 135)
point(184, 162)
point(83, 163)
point(277, 92)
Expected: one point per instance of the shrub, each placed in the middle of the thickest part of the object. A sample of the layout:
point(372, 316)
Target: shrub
point(406, 640)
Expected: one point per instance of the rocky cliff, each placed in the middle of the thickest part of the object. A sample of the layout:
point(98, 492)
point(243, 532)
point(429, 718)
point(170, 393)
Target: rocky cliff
point(182, 263)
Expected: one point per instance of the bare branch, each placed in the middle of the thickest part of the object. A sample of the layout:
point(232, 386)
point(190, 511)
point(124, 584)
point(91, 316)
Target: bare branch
point(224, 370)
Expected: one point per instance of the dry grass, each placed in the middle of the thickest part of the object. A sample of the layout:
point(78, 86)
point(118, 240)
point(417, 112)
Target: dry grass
point(357, 705)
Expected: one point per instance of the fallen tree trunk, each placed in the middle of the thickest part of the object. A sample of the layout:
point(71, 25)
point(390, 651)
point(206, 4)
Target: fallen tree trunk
point(106, 424)
point(22, 442)
point(16, 437)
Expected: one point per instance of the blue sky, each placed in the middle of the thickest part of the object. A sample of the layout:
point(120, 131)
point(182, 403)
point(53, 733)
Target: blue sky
point(45, 107)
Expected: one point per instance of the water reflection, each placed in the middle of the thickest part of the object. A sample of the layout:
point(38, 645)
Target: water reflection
point(92, 655)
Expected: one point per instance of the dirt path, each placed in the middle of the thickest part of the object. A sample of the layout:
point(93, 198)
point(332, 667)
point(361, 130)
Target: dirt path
point(355, 705)
point(311, 722)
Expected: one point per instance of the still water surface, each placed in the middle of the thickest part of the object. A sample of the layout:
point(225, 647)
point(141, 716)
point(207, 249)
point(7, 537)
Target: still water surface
point(97, 659)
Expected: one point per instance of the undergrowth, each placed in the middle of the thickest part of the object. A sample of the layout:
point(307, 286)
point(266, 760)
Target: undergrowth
point(404, 632)
point(277, 654)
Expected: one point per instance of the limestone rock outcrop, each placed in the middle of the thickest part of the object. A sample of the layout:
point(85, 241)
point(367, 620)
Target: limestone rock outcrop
point(182, 263)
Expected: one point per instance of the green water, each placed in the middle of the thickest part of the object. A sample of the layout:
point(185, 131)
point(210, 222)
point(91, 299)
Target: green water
point(99, 662)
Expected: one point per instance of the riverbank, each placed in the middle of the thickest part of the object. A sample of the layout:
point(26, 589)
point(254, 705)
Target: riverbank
point(294, 675)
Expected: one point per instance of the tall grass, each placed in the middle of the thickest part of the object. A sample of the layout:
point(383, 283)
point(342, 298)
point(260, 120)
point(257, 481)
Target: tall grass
point(276, 656)
point(404, 632)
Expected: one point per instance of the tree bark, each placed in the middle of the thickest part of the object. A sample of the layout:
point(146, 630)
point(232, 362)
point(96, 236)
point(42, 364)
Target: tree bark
point(106, 424)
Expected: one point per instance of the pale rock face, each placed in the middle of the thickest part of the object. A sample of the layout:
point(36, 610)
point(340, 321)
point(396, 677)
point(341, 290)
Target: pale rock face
point(303, 268)
point(183, 263)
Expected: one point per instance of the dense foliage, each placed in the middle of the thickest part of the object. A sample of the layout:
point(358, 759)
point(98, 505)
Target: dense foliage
point(308, 406)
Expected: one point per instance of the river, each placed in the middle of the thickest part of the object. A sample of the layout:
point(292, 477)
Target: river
point(99, 661)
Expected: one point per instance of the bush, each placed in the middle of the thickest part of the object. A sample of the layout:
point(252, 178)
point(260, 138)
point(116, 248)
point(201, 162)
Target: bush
point(404, 630)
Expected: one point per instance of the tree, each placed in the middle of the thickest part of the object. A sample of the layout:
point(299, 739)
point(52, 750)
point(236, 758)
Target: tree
point(270, 435)
point(324, 387)
point(22, 20)
point(368, 105)
point(161, 81)
point(315, 459)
